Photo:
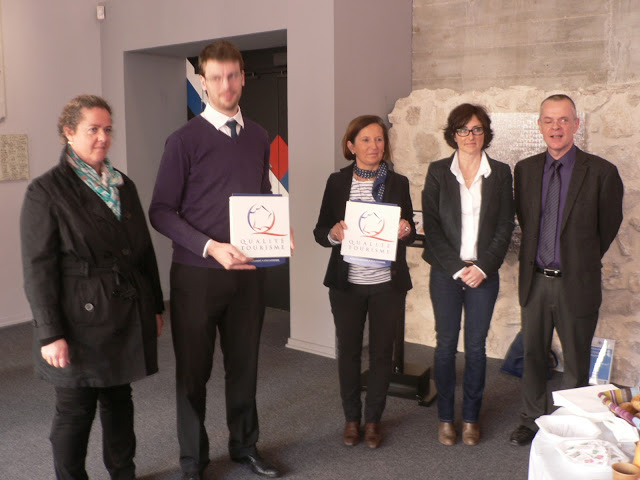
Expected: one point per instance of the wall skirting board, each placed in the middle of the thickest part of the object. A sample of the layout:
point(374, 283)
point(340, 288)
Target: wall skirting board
point(15, 319)
point(311, 348)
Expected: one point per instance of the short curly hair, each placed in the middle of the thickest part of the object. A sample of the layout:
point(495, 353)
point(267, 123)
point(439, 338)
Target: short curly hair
point(72, 113)
point(460, 116)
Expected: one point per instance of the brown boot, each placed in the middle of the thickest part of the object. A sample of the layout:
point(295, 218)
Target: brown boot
point(351, 434)
point(447, 433)
point(372, 434)
point(470, 433)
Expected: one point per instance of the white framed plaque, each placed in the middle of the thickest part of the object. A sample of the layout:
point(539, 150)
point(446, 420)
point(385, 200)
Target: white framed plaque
point(371, 237)
point(259, 227)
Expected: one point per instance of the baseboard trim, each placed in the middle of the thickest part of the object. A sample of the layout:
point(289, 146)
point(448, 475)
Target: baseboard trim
point(14, 320)
point(309, 347)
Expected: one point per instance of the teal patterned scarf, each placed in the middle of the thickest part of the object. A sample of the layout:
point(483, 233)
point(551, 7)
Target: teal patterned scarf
point(105, 186)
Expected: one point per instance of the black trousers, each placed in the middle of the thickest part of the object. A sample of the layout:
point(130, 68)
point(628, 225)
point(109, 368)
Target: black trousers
point(75, 410)
point(546, 310)
point(385, 307)
point(203, 301)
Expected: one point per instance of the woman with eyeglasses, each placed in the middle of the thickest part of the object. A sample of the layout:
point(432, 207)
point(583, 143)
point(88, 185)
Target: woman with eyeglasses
point(468, 212)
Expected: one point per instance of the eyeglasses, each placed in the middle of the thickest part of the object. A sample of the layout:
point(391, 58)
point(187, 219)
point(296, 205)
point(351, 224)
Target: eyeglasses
point(563, 122)
point(464, 131)
point(231, 78)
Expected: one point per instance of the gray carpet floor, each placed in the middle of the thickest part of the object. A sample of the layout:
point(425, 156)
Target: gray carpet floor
point(300, 417)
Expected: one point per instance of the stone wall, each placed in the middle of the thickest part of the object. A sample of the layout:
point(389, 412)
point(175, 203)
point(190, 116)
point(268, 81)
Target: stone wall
point(612, 130)
point(478, 44)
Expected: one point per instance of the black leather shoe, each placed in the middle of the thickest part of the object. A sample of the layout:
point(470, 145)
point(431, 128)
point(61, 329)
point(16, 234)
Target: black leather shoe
point(522, 436)
point(259, 465)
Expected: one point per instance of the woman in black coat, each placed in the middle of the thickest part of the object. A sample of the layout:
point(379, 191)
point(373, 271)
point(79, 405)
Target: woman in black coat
point(357, 291)
point(92, 282)
point(468, 211)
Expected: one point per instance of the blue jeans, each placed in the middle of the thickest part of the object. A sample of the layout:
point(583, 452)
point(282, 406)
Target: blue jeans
point(448, 297)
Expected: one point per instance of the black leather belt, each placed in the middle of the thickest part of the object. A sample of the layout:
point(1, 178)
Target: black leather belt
point(549, 272)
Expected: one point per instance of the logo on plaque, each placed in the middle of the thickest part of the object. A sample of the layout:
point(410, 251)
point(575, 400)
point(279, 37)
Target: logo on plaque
point(371, 225)
point(261, 220)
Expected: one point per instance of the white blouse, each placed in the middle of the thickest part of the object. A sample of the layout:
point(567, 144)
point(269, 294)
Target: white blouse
point(470, 202)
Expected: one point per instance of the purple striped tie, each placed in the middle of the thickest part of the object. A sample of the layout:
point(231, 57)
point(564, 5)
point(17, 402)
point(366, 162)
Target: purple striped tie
point(550, 217)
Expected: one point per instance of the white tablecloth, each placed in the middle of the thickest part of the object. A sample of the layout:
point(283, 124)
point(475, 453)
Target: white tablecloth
point(546, 463)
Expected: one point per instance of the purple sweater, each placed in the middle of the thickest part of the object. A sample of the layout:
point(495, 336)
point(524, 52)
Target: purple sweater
point(201, 167)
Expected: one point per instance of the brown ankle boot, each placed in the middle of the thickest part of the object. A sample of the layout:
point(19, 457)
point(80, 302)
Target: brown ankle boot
point(470, 433)
point(447, 433)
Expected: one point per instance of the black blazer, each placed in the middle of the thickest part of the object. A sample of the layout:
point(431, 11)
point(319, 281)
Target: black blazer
point(590, 221)
point(442, 216)
point(336, 195)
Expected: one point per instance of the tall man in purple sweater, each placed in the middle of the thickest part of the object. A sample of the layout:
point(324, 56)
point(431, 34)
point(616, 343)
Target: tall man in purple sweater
point(213, 156)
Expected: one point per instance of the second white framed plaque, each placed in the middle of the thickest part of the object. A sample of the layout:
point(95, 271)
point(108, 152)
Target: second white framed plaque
point(371, 234)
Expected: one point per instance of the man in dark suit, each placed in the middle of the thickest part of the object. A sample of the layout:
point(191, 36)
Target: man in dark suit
point(569, 205)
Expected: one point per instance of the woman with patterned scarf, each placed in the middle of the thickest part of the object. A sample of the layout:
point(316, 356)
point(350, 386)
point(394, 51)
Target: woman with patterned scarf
point(92, 283)
point(356, 291)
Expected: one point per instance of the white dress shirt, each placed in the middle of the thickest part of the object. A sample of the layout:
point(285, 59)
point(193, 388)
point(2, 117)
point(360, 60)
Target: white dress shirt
point(470, 201)
point(219, 120)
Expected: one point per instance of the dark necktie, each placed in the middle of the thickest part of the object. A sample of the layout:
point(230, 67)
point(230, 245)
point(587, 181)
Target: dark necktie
point(232, 126)
point(550, 217)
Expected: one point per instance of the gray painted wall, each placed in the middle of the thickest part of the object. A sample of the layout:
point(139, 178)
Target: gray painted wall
point(370, 51)
point(51, 54)
point(154, 107)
